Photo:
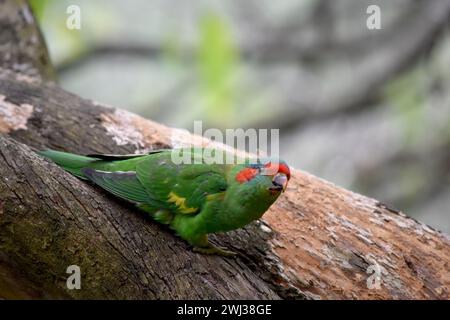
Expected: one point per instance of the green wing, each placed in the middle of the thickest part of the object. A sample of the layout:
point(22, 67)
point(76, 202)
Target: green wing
point(155, 180)
point(183, 188)
point(122, 184)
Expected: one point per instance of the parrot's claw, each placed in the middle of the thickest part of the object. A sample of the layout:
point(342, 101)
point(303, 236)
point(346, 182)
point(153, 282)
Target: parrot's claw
point(215, 250)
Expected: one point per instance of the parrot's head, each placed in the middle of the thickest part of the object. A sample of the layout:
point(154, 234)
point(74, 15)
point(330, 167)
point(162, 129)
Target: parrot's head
point(262, 182)
point(252, 188)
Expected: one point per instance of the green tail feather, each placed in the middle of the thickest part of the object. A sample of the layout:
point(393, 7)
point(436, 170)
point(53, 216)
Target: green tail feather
point(70, 162)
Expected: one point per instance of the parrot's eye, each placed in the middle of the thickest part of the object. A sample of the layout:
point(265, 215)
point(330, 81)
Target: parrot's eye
point(279, 182)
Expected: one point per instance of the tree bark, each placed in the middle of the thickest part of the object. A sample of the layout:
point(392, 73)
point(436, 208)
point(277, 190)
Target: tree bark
point(318, 241)
point(22, 48)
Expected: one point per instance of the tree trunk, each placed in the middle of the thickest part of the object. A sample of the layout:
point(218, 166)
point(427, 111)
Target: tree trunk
point(317, 241)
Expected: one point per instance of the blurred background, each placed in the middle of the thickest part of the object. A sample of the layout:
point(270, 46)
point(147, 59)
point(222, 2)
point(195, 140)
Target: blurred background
point(366, 109)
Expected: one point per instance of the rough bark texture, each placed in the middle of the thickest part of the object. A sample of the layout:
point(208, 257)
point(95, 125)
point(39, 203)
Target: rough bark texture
point(317, 241)
point(22, 48)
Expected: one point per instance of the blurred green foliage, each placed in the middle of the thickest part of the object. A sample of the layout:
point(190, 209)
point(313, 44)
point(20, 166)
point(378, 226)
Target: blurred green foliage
point(66, 44)
point(215, 69)
point(38, 7)
point(406, 94)
point(218, 61)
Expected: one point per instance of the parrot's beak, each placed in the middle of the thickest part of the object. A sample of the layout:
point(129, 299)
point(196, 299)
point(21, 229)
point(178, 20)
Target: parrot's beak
point(279, 182)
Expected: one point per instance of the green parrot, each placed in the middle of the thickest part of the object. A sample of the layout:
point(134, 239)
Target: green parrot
point(194, 197)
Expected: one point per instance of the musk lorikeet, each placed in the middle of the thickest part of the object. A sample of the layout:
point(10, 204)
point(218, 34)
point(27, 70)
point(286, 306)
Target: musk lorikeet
point(194, 198)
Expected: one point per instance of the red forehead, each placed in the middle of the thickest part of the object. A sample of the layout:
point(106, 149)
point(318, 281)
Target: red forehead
point(280, 167)
point(246, 174)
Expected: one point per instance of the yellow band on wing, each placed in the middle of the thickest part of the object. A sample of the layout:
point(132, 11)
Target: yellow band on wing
point(180, 202)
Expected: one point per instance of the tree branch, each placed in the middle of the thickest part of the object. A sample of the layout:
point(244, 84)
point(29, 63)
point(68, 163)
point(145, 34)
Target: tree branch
point(22, 48)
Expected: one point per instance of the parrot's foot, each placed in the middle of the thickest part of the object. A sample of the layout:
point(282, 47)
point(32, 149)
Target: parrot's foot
point(202, 245)
point(215, 250)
